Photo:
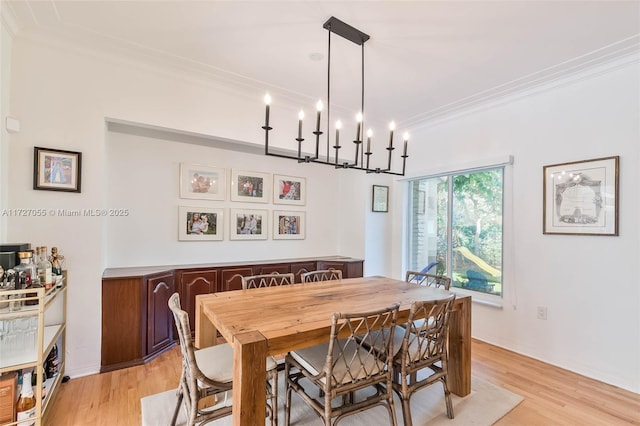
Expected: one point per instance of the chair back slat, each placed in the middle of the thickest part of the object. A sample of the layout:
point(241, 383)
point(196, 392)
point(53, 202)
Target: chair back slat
point(267, 280)
point(425, 341)
point(351, 359)
point(322, 275)
point(428, 280)
point(191, 371)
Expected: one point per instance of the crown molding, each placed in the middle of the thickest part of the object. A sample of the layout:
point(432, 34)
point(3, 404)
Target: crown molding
point(604, 60)
point(118, 51)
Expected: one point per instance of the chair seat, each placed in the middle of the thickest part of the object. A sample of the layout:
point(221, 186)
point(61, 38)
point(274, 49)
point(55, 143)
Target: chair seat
point(378, 345)
point(418, 323)
point(313, 360)
point(216, 362)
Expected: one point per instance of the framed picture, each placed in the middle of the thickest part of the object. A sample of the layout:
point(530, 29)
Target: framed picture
point(200, 224)
point(250, 187)
point(56, 170)
point(202, 182)
point(380, 198)
point(581, 198)
point(288, 225)
point(289, 190)
point(248, 224)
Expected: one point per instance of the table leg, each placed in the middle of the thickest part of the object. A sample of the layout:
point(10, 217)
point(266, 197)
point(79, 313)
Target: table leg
point(249, 379)
point(206, 333)
point(459, 368)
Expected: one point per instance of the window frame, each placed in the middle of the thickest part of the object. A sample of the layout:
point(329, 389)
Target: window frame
point(506, 162)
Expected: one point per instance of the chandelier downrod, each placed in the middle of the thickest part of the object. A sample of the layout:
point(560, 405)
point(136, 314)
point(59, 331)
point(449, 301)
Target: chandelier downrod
point(334, 25)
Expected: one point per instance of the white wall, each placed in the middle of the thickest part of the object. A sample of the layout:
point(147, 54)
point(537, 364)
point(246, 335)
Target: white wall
point(588, 283)
point(62, 97)
point(143, 177)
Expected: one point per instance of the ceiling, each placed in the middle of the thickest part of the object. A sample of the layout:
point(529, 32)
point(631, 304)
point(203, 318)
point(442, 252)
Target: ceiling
point(425, 59)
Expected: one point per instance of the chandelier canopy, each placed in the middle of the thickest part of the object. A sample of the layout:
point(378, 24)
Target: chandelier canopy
point(336, 26)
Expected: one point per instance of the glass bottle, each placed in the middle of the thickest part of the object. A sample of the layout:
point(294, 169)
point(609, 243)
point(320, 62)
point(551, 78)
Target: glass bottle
point(26, 405)
point(45, 269)
point(52, 363)
point(25, 274)
point(55, 260)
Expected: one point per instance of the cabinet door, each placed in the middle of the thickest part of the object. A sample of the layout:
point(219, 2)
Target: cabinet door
point(300, 268)
point(159, 317)
point(123, 326)
point(349, 269)
point(231, 278)
point(191, 284)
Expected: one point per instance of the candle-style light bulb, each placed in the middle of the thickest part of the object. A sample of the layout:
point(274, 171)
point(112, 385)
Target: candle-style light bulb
point(405, 136)
point(358, 130)
point(369, 134)
point(267, 101)
point(392, 127)
point(338, 125)
point(300, 118)
point(319, 107)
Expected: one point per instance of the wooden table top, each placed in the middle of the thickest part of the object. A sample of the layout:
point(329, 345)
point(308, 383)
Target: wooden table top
point(298, 315)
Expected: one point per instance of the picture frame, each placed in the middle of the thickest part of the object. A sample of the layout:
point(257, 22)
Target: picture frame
point(57, 170)
point(250, 187)
point(199, 182)
point(248, 224)
point(581, 197)
point(380, 199)
point(199, 223)
point(289, 190)
point(289, 225)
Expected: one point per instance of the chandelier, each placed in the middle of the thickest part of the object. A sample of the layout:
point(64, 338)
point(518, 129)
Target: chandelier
point(336, 26)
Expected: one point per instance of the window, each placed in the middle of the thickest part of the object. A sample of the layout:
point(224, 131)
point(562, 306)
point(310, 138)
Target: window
point(457, 221)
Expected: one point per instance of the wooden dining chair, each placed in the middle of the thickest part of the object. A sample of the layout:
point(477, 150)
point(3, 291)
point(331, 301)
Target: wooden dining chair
point(423, 348)
point(345, 365)
point(267, 280)
point(321, 275)
point(428, 280)
point(208, 373)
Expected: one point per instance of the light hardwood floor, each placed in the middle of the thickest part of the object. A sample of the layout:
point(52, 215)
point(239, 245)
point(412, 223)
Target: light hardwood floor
point(552, 396)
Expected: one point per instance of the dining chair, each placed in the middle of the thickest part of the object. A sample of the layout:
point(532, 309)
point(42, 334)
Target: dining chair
point(321, 275)
point(267, 280)
point(428, 280)
point(345, 365)
point(423, 349)
point(207, 375)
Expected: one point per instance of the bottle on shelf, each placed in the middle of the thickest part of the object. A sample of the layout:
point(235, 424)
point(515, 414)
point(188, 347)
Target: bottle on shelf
point(26, 272)
point(33, 297)
point(56, 260)
point(45, 269)
point(51, 365)
point(26, 405)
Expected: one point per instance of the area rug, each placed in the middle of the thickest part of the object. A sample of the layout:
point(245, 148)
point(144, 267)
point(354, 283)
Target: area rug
point(485, 405)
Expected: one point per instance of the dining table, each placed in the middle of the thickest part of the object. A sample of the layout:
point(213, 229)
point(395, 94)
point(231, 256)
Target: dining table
point(275, 320)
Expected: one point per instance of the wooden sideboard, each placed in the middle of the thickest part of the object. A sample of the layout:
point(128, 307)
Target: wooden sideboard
point(136, 322)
